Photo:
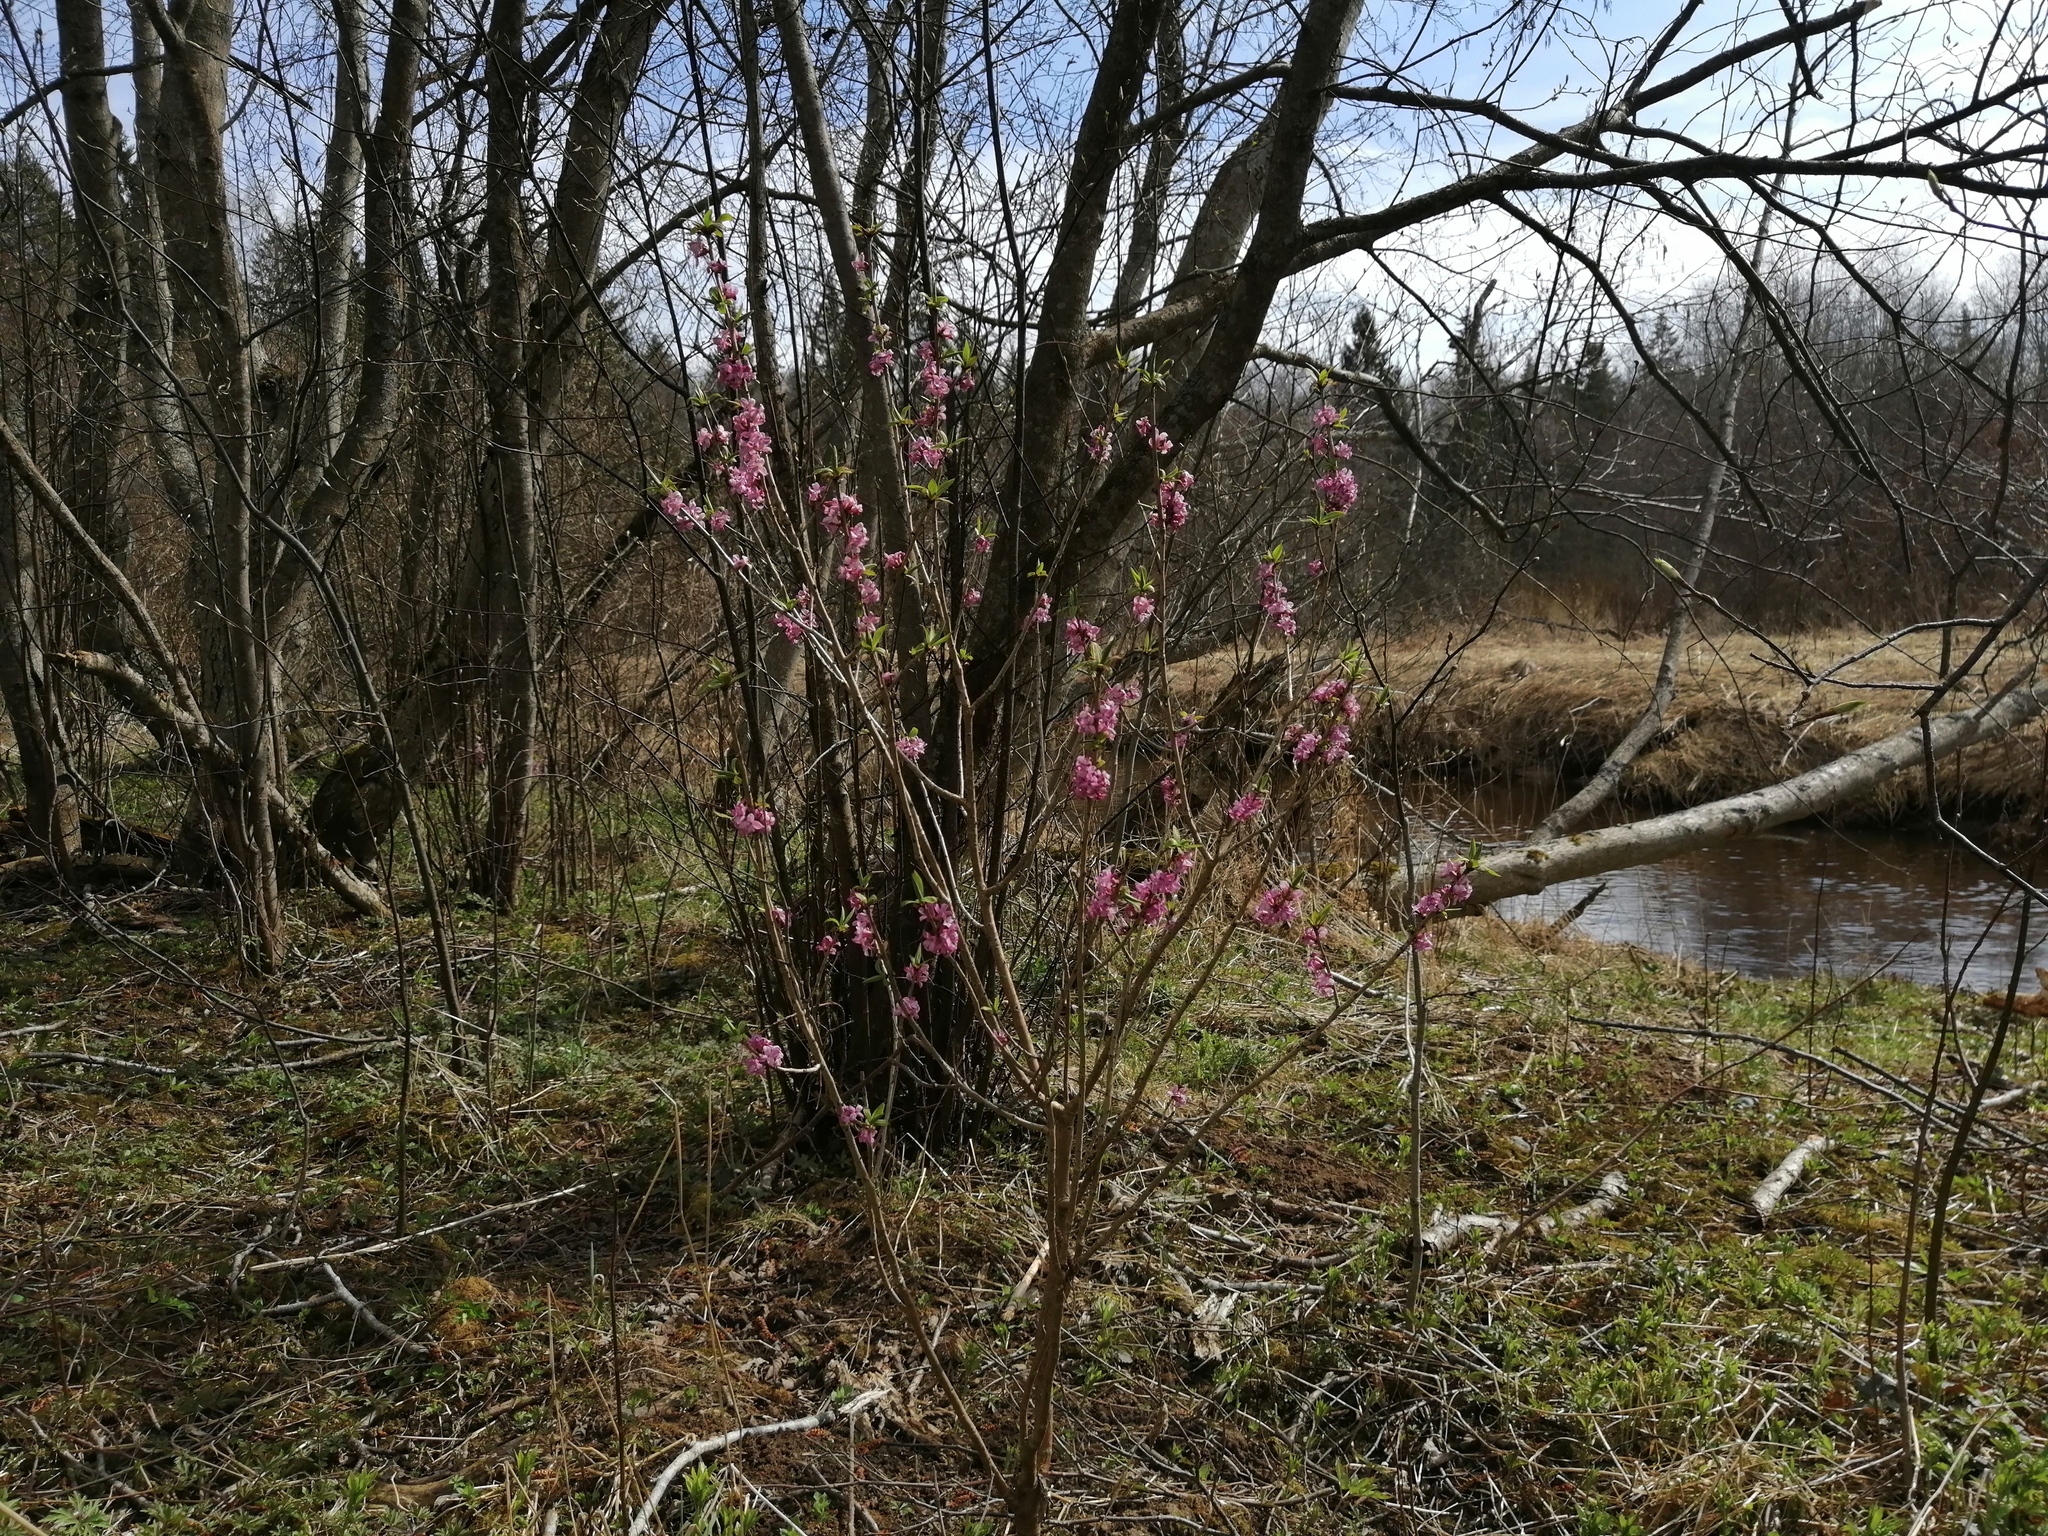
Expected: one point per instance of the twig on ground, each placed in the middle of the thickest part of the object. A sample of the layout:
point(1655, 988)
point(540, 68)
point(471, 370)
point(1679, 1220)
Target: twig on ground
point(313, 1260)
point(643, 1521)
point(370, 1319)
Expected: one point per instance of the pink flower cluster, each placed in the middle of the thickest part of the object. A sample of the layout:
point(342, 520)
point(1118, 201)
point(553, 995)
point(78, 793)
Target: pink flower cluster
point(1320, 979)
point(1101, 716)
point(855, 1118)
point(1278, 906)
point(1245, 807)
point(941, 927)
point(836, 510)
point(761, 1055)
point(796, 621)
point(865, 939)
point(1171, 513)
point(1041, 611)
point(751, 820)
point(1329, 737)
point(1080, 635)
point(1273, 600)
point(1453, 890)
point(1142, 608)
point(1143, 903)
point(1089, 781)
point(1152, 436)
point(1096, 443)
point(1337, 490)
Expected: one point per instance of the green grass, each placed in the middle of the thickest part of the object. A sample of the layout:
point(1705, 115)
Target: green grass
point(1671, 1368)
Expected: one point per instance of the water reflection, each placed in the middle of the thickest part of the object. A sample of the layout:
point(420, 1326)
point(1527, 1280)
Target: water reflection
point(1788, 902)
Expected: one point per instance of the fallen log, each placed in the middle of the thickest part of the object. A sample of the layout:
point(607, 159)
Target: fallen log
point(1537, 866)
point(1765, 1197)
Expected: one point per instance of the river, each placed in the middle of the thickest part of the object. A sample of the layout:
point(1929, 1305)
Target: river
point(1804, 899)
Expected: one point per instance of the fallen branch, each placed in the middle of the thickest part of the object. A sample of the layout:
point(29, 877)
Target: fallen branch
point(643, 1521)
point(84, 1059)
point(314, 1260)
point(369, 1319)
point(1537, 866)
point(1446, 1232)
point(1764, 1199)
point(2011, 1096)
point(1023, 1287)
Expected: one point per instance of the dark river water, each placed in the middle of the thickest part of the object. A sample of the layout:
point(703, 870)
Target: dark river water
point(1850, 903)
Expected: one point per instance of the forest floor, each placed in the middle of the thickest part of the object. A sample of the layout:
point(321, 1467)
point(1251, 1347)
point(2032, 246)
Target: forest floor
point(594, 1278)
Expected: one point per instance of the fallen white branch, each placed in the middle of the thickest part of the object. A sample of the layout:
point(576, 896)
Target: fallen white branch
point(1445, 1232)
point(2011, 1096)
point(1537, 866)
point(310, 1260)
point(1766, 1196)
point(1613, 1190)
point(643, 1521)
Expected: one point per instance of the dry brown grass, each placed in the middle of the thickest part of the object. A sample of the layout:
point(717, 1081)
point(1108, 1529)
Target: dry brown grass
point(1539, 704)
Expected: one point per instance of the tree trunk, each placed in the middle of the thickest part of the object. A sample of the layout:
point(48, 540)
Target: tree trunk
point(92, 141)
point(48, 793)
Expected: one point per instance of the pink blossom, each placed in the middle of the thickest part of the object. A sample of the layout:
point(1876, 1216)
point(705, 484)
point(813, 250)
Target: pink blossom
point(918, 973)
point(1141, 609)
point(1090, 780)
point(681, 512)
point(1041, 611)
point(1096, 444)
point(1424, 943)
point(983, 543)
point(1153, 437)
point(1337, 743)
point(1320, 979)
point(1273, 599)
point(865, 939)
point(894, 560)
point(941, 927)
point(1315, 567)
point(828, 946)
point(1277, 906)
point(1172, 511)
point(870, 592)
point(1245, 807)
point(1337, 490)
point(971, 598)
point(880, 363)
point(779, 916)
point(1080, 635)
point(699, 248)
point(762, 1055)
point(1152, 891)
point(855, 1116)
point(1106, 887)
point(908, 1007)
point(1305, 746)
point(1326, 415)
point(1177, 1096)
point(926, 454)
point(740, 562)
point(910, 747)
point(751, 820)
point(1169, 790)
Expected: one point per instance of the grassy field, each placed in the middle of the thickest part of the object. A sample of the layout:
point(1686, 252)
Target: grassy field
point(628, 1275)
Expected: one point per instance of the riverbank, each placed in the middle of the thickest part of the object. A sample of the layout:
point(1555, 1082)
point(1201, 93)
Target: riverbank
point(577, 1303)
point(1532, 710)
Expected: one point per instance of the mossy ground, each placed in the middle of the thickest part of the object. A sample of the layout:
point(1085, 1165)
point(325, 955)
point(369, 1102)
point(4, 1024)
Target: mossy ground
point(1674, 1367)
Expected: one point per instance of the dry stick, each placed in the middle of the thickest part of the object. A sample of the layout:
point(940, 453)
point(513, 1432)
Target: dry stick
point(313, 1260)
point(644, 1521)
point(2011, 1096)
point(19, 1519)
point(370, 1319)
point(1937, 1228)
point(1765, 1197)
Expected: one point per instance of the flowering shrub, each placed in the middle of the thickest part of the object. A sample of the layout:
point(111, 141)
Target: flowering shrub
point(935, 825)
